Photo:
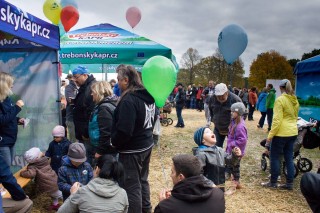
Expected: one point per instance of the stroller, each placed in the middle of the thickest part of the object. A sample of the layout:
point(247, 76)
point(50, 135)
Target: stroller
point(164, 120)
point(306, 138)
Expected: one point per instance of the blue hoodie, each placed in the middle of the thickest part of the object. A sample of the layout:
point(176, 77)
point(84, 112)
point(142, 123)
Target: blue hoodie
point(261, 105)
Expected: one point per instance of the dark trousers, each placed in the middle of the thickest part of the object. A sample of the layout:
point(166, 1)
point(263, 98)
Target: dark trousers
point(234, 170)
point(262, 119)
point(220, 138)
point(199, 104)
point(136, 167)
point(310, 188)
point(269, 117)
point(251, 110)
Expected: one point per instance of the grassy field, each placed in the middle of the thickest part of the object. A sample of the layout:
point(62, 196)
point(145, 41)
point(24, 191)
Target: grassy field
point(251, 198)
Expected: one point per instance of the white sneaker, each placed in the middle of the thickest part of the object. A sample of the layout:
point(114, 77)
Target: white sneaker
point(279, 178)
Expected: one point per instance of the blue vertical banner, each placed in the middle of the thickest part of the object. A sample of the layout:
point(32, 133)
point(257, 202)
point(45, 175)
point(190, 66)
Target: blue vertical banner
point(36, 83)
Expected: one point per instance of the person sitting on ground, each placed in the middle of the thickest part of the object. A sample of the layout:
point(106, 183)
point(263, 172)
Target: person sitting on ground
point(310, 188)
point(191, 192)
point(102, 194)
point(213, 159)
point(58, 147)
point(74, 169)
point(45, 178)
point(19, 201)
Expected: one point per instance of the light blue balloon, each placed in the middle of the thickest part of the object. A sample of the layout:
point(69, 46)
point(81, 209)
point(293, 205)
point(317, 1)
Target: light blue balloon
point(232, 41)
point(65, 3)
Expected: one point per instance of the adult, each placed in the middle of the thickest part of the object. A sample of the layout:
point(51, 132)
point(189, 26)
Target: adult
point(193, 97)
point(101, 194)
point(253, 98)
point(100, 124)
point(283, 133)
point(112, 82)
point(132, 129)
point(199, 102)
point(207, 93)
point(188, 97)
point(8, 118)
point(220, 110)
point(245, 97)
point(310, 188)
point(180, 100)
point(70, 93)
point(83, 106)
point(191, 192)
point(261, 106)
point(19, 201)
point(270, 104)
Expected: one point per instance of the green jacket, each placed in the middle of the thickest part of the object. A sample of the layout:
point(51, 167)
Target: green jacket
point(271, 98)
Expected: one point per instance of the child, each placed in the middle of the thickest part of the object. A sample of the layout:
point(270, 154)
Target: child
point(213, 158)
point(237, 137)
point(74, 169)
point(58, 147)
point(45, 177)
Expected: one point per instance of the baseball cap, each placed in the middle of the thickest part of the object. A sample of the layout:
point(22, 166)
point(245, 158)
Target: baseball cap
point(80, 70)
point(220, 89)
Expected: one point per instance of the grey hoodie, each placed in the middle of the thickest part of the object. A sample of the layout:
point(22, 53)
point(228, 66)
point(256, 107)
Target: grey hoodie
point(100, 195)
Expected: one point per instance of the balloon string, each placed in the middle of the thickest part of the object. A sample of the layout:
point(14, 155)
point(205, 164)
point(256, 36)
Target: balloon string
point(162, 164)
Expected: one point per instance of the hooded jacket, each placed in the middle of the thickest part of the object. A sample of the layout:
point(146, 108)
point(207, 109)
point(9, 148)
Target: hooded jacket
point(237, 139)
point(100, 195)
point(284, 122)
point(193, 195)
point(45, 177)
point(271, 98)
point(8, 123)
point(261, 104)
point(133, 123)
point(83, 106)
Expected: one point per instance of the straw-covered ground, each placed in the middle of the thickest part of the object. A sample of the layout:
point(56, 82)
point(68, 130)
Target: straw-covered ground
point(251, 198)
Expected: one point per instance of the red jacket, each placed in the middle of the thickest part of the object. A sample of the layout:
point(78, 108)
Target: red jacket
point(199, 97)
point(253, 98)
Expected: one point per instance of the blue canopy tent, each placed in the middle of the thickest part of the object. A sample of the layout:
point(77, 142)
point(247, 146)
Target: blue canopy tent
point(307, 87)
point(102, 47)
point(28, 51)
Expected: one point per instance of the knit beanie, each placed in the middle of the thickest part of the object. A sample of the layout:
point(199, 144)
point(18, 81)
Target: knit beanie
point(32, 154)
point(198, 136)
point(58, 131)
point(239, 108)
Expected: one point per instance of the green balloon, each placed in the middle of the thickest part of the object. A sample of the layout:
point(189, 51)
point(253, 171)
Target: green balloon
point(159, 78)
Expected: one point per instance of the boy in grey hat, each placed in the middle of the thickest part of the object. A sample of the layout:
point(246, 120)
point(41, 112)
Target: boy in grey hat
point(74, 169)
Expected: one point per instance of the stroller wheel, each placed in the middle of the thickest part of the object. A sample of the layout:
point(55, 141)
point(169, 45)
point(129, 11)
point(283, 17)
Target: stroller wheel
point(295, 168)
point(164, 122)
point(304, 165)
point(170, 121)
point(264, 164)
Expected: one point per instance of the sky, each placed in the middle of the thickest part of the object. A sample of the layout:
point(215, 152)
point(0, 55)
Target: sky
point(290, 27)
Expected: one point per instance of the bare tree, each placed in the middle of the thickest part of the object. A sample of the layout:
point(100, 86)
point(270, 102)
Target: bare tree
point(189, 60)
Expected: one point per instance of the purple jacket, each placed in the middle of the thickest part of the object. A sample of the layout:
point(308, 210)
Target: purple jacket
point(239, 139)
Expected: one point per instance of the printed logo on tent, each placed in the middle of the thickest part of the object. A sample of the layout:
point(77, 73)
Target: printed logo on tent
point(92, 35)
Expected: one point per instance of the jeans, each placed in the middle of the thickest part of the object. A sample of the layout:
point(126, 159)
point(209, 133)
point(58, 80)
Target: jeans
point(281, 145)
point(90, 151)
point(251, 110)
point(220, 138)
point(262, 118)
point(310, 188)
point(136, 167)
point(7, 154)
point(269, 117)
point(179, 116)
point(193, 103)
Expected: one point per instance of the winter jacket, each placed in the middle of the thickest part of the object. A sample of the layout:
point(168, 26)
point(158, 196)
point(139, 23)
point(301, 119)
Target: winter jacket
point(56, 151)
point(69, 174)
point(117, 90)
point(253, 98)
point(199, 93)
point(284, 122)
point(237, 139)
point(70, 92)
point(245, 97)
point(180, 98)
point(45, 178)
point(8, 123)
point(83, 106)
point(271, 99)
point(100, 195)
point(213, 161)
point(9, 182)
point(221, 112)
point(193, 195)
point(261, 104)
point(133, 122)
point(100, 125)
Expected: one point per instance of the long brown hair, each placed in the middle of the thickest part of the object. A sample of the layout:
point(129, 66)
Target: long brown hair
point(237, 121)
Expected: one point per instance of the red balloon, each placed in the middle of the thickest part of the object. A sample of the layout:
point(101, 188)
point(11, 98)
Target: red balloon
point(69, 17)
point(133, 16)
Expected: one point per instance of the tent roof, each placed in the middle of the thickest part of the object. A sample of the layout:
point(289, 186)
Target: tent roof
point(308, 65)
point(32, 30)
point(108, 44)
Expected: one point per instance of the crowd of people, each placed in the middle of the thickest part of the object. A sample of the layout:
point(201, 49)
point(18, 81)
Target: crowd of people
point(102, 163)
